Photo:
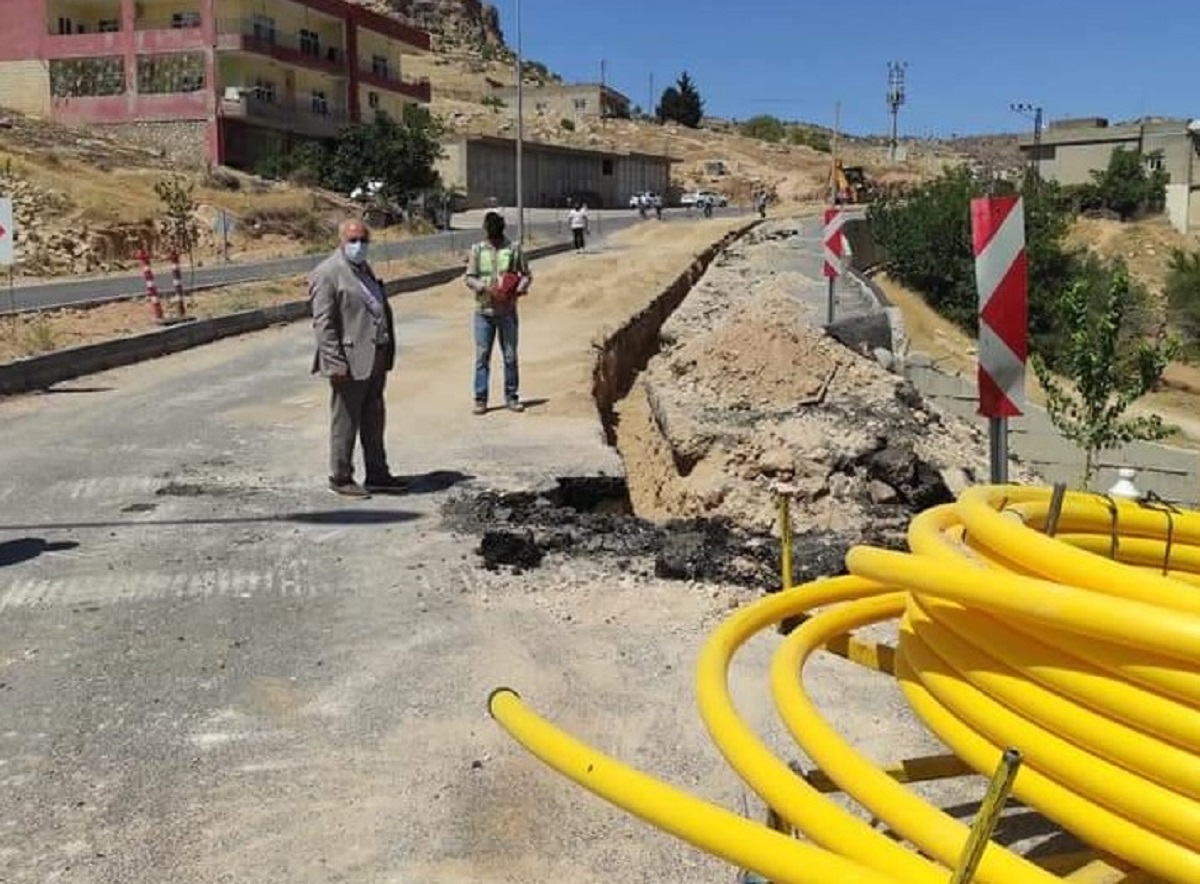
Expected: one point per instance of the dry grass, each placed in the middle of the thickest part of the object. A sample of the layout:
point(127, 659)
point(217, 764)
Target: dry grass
point(953, 350)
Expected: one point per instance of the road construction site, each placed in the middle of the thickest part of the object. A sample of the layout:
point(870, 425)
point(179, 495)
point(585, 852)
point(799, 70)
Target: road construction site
point(214, 671)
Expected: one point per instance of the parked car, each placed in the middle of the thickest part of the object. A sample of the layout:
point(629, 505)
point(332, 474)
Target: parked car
point(696, 197)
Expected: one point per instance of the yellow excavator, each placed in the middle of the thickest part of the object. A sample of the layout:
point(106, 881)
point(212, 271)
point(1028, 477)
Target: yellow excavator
point(850, 184)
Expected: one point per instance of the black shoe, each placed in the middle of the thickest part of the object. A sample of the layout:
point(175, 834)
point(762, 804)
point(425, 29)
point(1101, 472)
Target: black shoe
point(348, 488)
point(387, 484)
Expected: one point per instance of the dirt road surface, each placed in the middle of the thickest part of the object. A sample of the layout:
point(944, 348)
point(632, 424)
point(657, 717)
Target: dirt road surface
point(211, 670)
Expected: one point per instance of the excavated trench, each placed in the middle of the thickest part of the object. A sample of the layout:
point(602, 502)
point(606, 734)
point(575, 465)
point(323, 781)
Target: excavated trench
point(593, 516)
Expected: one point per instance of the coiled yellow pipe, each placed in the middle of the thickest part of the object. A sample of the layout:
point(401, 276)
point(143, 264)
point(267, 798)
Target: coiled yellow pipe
point(1082, 650)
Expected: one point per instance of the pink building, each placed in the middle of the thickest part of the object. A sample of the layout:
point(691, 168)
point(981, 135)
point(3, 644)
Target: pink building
point(222, 81)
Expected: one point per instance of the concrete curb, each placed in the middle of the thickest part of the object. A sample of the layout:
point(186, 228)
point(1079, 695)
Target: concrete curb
point(40, 372)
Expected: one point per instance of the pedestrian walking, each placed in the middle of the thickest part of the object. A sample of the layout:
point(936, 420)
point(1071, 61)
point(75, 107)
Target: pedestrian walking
point(498, 274)
point(658, 206)
point(577, 219)
point(356, 348)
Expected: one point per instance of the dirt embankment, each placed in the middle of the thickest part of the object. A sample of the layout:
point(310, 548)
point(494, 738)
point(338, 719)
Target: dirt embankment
point(746, 398)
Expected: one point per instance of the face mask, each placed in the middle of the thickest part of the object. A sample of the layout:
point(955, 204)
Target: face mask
point(356, 252)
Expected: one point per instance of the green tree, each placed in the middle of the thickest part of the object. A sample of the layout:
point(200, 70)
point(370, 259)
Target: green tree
point(178, 223)
point(765, 128)
point(681, 103)
point(926, 238)
point(1183, 298)
point(399, 153)
point(1104, 368)
point(1127, 186)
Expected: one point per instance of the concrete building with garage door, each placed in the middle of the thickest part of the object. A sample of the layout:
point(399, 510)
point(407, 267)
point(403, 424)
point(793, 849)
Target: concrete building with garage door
point(484, 168)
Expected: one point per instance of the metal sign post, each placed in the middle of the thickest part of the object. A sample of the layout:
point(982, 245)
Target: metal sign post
point(832, 238)
point(1002, 276)
point(8, 231)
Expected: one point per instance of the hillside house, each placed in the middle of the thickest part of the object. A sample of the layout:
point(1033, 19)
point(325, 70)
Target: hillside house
point(561, 101)
point(1070, 150)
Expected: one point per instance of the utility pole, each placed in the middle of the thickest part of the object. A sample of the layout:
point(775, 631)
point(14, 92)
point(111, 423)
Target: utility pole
point(603, 97)
point(833, 157)
point(1026, 109)
point(520, 135)
point(895, 99)
point(650, 110)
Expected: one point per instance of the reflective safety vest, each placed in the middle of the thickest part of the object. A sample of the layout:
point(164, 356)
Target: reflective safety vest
point(506, 259)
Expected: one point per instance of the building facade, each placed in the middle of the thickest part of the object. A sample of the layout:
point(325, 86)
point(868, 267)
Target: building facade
point(485, 169)
point(1070, 150)
point(221, 81)
point(567, 102)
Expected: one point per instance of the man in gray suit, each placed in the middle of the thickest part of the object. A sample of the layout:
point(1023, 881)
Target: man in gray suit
point(356, 348)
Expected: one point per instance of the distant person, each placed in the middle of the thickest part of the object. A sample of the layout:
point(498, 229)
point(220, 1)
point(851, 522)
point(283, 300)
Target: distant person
point(356, 348)
point(577, 218)
point(707, 203)
point(658, 206)
point(498, 274)
point(760, 203)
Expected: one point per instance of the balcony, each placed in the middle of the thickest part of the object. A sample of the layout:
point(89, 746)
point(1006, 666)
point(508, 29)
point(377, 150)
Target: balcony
point(298, 48)
point(291, 116)
point(418, 90)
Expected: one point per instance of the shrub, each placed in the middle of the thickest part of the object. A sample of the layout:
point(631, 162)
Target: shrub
point(567, 125)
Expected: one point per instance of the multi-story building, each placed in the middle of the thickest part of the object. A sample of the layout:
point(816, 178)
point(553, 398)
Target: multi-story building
point(222, 81)
point(1068, 151)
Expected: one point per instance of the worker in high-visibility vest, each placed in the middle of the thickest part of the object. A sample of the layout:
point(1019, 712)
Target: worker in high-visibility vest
point(498, 274)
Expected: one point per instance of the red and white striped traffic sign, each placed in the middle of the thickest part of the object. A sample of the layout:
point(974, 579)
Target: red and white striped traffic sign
point(834, 219)
point(1002, 276)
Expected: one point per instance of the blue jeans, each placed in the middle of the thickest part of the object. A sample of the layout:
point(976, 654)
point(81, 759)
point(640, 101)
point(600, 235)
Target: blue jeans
point(486, 329)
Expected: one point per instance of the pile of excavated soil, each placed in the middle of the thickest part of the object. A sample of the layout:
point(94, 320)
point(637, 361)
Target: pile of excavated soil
point(746, 400)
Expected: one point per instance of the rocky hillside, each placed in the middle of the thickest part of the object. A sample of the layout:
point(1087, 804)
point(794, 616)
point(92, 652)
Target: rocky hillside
point(453, 24)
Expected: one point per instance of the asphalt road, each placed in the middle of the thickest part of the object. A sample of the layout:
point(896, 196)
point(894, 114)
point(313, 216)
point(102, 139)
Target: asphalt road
point(213, 670)
point(541, 223)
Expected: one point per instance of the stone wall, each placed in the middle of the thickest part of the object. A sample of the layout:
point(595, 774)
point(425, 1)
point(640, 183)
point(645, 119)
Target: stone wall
point(184, 141)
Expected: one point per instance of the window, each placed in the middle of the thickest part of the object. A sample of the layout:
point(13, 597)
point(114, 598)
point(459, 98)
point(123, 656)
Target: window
point(174, 72)
point(80, 77)
point(541, 106)
point(310, 43)
point(263, 27)
point(606, 167)
point(320, 105)
point(109, 25)
point(379, 66)
point(580, 104)
point(373, 100)
point(264, 90)
point(1154, 162)
point(65, 25)
point(185, 20)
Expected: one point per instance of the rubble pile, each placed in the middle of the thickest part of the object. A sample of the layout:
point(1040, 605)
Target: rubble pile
point(746, 400)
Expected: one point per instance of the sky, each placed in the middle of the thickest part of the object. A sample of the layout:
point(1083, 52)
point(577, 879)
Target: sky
point(967, 61)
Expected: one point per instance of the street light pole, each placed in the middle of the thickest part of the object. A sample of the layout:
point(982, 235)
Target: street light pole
point(520, 135)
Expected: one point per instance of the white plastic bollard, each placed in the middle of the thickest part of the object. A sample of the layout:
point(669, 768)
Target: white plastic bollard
point(1124, 486)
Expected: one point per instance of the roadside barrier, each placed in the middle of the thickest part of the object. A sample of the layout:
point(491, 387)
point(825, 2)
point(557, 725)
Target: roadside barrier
point(151, 289)
point(1055, 634)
